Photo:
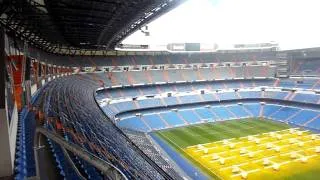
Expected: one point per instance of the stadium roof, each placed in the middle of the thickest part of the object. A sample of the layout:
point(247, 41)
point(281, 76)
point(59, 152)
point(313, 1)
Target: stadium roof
point(66, 26)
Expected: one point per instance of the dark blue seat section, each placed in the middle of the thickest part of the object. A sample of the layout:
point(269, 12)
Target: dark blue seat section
point(304, 116)
point(267, 82)
point(268, 109)
point(315, 124)
point(172, 118)
point(154, 121)
point(254, 108)
point(156, 89)
point(190, 99)
point(222, 112)
point(149, 90)
point(238, 111)
point(307, 98)
point(134, 123)
point(123, 106)
point(108, 111)
point(287, 83)
point(183, 88)
point(152, 102)
point(284, 113)
point(130, 92)
point(24, 157)
point(66, 170)
point(205, 114)
point(171, 100)
point(190, 116)
point(84, 124)
point(250, 94)
point(227, 95)
point(208, 97)
point(275, 94)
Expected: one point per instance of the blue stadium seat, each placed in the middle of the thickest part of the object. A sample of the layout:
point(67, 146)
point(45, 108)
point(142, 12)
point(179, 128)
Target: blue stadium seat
point(133, 123)
point(315, 124)
point(303, 117)
point(172, 118)
point(152, 102)
point(227, 95)
point(189, 116)
point(254, 108)
point(238, 111)
point(269, 109)
point(171, 100)
point(205, 114)
point(190, 99)
point(222, 113)
point(307, 98)
point(284, 113)
point(154, 121)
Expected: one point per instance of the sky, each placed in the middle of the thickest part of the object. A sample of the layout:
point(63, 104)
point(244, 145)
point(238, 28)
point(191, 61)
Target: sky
point(292, 23)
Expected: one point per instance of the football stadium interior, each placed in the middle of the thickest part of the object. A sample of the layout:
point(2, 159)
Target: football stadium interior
point(73, 107)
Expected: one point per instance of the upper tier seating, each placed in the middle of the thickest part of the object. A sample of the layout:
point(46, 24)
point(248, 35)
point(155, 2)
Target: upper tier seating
point(176, 75)
point(305, 67)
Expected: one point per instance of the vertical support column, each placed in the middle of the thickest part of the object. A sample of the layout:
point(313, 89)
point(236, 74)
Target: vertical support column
point(6, 154)
point(18, 76)
point(27, 81)
point(43, 73)
point(59, 71)
point(34, 84)
point(35, 71)
point(49, 72)
point(55, 71)
point(39, 74)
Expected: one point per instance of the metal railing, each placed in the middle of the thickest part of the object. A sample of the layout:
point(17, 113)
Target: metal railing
point(106, 168)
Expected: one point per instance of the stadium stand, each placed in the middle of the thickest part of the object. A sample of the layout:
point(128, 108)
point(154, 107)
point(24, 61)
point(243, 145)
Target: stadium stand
point(137, 116)
point(73, 112)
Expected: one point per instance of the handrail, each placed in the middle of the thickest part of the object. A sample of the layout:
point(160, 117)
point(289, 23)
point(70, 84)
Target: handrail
point(65, 152)
point(100, 164)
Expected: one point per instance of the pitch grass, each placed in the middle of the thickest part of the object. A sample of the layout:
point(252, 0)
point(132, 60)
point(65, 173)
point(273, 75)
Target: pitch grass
point(180, 138)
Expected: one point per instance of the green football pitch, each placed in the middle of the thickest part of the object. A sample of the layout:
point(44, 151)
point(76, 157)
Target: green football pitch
point(197, 142)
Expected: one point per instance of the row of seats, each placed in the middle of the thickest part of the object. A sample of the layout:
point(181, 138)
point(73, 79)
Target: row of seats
point(303, 83)
point(168, 119)
point(305, 67)
point(143, 142)
point(183, 87)
point(170, 59)
point(81, 122)
point(113, 109)
point(163, 118)
point(176, 75)
point(24, 157)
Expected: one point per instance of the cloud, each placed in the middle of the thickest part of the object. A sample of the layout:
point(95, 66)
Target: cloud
point(292, 23)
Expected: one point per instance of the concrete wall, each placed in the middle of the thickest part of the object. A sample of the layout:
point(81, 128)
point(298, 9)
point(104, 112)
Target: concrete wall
point(6, 158)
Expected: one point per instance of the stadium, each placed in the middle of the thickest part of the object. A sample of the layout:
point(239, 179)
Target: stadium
point(78, 103)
